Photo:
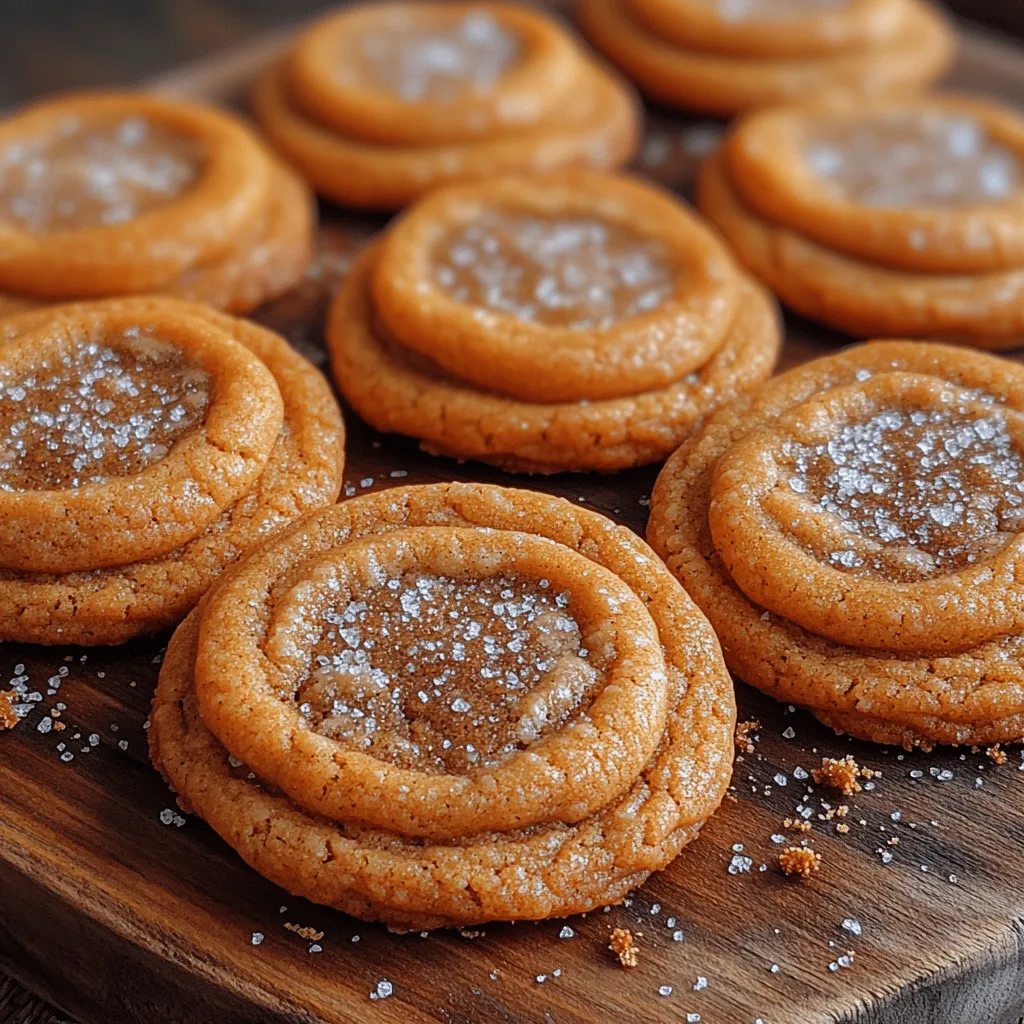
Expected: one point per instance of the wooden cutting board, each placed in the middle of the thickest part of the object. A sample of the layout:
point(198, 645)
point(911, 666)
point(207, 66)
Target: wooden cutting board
point(114, 908)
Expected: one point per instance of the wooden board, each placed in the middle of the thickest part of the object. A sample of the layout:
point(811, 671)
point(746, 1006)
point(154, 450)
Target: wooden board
point(112, 915)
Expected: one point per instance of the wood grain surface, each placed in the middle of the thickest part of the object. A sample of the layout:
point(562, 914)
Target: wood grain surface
point(114, 908)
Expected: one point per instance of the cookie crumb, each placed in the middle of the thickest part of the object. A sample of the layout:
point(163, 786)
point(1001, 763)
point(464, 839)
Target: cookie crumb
point(841, 773)
point(745, 735)
point(623, 947)
point(799, 860)
point(843, 828)
point(304, 933)
point(8, 716)
point(996, 754)
point(797, 825)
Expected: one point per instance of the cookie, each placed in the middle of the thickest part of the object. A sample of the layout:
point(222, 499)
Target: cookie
point(930, 185)
point(571, 862)
point(892, 473)
point(124, 434)
point(116, 193)
point(115, 600)
point(395, 125)
point(772, 28)
point(578, 285)
point(918, 51)
point(397, 391)
point(862, 299)
point(425, 74)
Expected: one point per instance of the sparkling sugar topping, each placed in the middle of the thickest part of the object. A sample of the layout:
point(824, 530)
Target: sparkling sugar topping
point(87, 175)
point(448, 675)
point(581, 273)
point(934, 491)
point(102, 411)
point(419, 65)
point(773, 10)
point(906, 160)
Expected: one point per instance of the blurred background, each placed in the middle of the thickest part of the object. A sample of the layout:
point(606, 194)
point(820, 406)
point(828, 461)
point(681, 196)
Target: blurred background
point(57, 44)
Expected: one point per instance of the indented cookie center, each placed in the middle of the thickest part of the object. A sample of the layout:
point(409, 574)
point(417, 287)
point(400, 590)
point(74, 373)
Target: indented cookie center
point(417, 64)
point(934, 490)
point(773, 10)
point(448, 675)
point(905, 160)
point(89, 175)
point(580, 273)
point(97, 411)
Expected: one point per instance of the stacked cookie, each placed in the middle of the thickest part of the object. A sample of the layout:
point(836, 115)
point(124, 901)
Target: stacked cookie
point(855, 531)
point(112, 194)
point(578, 321)
point(379, 104)
point(897, 218)
point(145, 445)
point(728, 56)
point(446, 705)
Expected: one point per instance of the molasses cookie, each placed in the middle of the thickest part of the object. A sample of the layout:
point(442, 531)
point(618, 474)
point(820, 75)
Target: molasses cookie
point(907, 218)
point(699, 55)
point(853, 532)
point(573, 322)
point(377, 105)
point(113, 193)
point(145, 445)
point(515, 750)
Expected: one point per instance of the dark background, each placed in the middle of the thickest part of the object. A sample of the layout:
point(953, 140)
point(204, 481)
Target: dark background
point(56, 44)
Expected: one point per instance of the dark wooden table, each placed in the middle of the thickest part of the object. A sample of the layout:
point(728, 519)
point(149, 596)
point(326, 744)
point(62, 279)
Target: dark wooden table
point(48, 45)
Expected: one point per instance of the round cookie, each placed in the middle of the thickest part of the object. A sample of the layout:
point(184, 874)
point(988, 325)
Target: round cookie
point(126, 429)
point(572, 731)
point(771, 28)
point(598, 127)
point(112, 605)
point(549, 870)
point(983, 310)
point(924, 733)
point(180, 182)
point(576, 285)
point(398, 392)
point(933, 184)
point(918, 54)
point(428, 74)
point(967, 690)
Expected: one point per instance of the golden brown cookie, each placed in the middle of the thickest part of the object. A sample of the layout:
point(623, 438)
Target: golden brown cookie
point(117, 193)
point(918, 52)
point(126, 429)
point(550, 869)
point(863, 299)
point(933, 184)
point(771, 28)
point(598, 127)
point(428, 74)
point(898, 473)
point(116, 602)
point(397, 391)
point(575, 285)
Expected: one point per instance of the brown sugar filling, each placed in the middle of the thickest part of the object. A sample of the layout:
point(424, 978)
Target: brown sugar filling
point(903, 160)
point(449, 675)
point(418, 63)
point(574, 272)
point(937, 490)
point(87, 175)
point(104, 410)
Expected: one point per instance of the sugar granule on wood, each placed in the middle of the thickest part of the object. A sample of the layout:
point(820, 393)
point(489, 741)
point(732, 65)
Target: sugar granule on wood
point(623, 946)
point(745, 735)
point(841, 773)
point(8, 716)
point(304, 932)
point(799, 860)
